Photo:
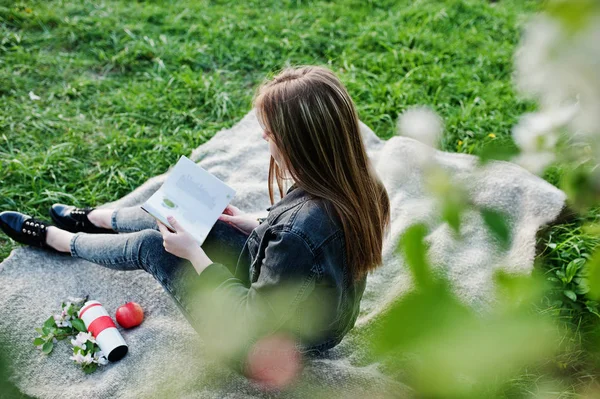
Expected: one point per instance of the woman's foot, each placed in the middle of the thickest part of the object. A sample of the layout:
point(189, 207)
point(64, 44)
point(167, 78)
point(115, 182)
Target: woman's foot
point(87, 220)
point(59, 239)
point(35, 232)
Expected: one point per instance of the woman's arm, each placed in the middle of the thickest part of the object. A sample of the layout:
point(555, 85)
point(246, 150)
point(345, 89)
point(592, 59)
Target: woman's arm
point(234, 314)
point(182, 244)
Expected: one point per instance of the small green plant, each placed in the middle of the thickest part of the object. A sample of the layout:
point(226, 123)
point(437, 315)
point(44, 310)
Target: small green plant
point(64, 325)
point(566, 252)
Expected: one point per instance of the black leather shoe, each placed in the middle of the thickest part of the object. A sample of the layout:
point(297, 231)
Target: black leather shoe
point(75, 219)
point(25, 229)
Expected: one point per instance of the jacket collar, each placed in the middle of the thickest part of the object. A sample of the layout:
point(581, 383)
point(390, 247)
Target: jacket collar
point(295, 195)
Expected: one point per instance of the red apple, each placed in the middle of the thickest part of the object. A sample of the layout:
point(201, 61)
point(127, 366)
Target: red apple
point(130, 315)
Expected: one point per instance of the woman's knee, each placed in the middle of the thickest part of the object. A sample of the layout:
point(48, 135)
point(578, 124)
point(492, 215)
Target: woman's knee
point(147, 245)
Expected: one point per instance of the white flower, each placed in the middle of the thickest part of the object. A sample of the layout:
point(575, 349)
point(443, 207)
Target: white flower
point(34, 97)
point(84, 337)
point(100, 358)
point(65, 315)
point(62, 320)
point(65, 323)
point(539, 131)
point(533, 60)
point(87, 359)
point(77, 344)
point(75, 299)
point(81, 359)
point(535, 162)
point(422, 124)
point(556, 65)
point(77, 358)
point(81, 339)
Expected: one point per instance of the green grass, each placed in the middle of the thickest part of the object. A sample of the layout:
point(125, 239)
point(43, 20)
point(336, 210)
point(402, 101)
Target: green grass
point(126, 87)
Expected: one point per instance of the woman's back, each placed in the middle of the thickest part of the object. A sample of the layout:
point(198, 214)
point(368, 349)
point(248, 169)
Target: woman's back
point(301, 246)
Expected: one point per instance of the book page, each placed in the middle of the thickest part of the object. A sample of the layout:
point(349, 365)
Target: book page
point(193, 196)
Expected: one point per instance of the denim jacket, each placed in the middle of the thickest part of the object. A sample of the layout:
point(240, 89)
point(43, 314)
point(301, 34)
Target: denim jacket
point(291, 276)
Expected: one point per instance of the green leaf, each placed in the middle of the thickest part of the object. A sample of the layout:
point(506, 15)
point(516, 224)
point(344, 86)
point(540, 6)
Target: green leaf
point(79, 325)
point(66, 331)
point(582, 289)
point(496, 150)
point(50, 322)
point(90, 368)
point(497, 224)
point(570, 294)
point(412, 245)
point(572, 268)
point(47, 348)
point(574, 15)
point(593, 267)
point(592, 306)
point(38, 341)
point(451, 213)
point(557, 303)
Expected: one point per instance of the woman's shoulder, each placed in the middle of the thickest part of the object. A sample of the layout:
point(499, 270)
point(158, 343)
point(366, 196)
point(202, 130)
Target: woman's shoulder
point(317, 221)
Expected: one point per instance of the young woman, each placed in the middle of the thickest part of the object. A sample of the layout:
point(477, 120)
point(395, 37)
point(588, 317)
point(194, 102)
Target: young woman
point(301, 272)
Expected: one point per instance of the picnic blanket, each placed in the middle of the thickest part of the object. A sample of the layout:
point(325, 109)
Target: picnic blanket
point(166, 355)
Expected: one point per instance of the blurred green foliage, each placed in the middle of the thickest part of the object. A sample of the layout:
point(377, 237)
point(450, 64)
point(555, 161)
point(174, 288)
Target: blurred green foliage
point(448, 350)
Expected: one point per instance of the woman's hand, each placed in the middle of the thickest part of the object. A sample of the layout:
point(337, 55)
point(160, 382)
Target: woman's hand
point(182, 244)
point(238, 219)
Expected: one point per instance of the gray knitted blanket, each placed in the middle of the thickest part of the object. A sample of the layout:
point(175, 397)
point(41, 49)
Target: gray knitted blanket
point(166, 355)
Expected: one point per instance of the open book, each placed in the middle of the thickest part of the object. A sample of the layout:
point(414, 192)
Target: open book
point(193, 196)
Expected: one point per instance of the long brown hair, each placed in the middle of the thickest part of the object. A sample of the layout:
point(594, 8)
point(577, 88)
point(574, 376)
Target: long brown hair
point(310, 116)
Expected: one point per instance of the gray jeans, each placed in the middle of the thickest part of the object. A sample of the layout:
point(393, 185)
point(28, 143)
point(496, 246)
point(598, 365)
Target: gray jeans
point(142, 249)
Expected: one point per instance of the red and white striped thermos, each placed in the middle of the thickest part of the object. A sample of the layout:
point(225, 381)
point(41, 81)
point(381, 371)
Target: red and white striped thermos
point(99, 323)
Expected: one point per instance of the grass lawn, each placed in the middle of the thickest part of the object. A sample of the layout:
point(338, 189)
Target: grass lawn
point(126, 87)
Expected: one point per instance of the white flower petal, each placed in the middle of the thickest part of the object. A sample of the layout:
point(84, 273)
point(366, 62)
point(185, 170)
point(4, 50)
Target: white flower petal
point(33, 96)
point(539, 131)
point(75, 299)
point(422, 124)
point(87, 359)
point(535, 162)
